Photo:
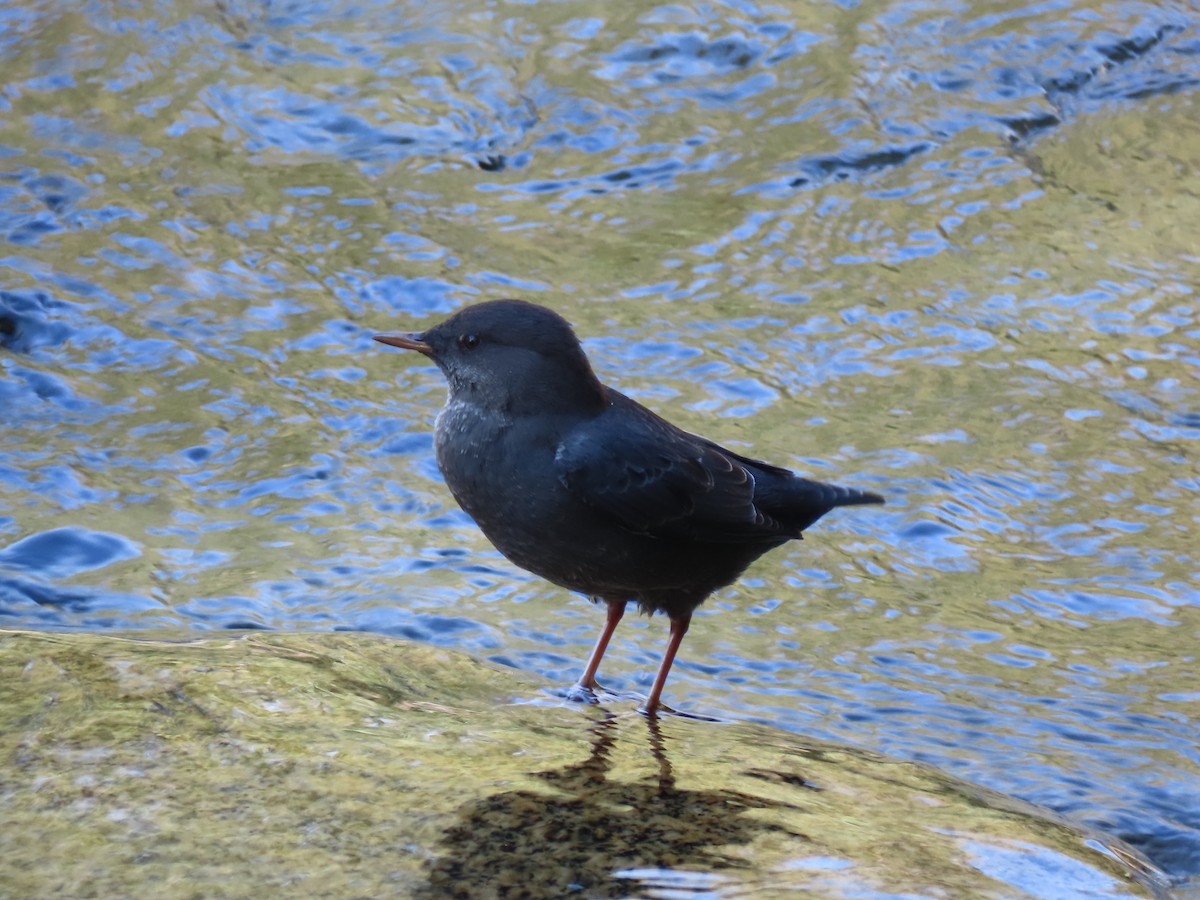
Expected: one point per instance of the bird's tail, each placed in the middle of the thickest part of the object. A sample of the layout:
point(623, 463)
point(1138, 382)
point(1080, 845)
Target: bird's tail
point(803, 501)
point(836, 495)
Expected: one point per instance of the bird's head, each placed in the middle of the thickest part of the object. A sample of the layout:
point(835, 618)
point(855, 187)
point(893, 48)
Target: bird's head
point(510, 356)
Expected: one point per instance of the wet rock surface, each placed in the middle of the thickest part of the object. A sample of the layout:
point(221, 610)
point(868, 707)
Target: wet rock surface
point(350, 766)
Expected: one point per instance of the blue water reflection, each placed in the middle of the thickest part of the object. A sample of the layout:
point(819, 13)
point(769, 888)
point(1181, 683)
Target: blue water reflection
point(941, 253)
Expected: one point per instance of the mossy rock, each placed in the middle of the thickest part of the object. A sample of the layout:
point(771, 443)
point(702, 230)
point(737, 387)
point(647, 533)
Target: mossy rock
point(349, 765)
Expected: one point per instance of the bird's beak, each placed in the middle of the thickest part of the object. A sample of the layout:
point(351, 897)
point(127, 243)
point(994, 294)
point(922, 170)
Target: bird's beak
point(405, 342)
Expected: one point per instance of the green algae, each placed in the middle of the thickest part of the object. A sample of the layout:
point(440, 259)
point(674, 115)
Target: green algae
point(345, 765)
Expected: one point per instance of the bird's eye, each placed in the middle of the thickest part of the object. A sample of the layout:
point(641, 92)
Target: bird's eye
point(468, 341)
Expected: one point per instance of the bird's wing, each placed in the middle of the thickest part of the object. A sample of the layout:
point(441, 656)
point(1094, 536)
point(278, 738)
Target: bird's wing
point(657, 480)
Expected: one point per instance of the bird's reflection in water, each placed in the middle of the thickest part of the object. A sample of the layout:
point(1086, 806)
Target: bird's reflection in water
point(594, 832)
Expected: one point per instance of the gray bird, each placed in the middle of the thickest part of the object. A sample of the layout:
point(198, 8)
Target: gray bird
point(589, 489)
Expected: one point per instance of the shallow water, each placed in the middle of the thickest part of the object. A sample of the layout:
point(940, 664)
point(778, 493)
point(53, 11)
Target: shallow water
point(947, 254)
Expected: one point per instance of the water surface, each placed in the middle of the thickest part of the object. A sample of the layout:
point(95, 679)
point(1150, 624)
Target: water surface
point(944, 253)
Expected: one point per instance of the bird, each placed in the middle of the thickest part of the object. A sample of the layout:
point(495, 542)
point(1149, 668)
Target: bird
point(585, 487)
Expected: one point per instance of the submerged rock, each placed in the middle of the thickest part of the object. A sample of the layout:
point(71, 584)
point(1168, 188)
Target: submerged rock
point(354, 765)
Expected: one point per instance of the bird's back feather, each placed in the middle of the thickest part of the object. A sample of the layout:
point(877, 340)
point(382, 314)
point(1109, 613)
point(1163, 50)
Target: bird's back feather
point(658, 480)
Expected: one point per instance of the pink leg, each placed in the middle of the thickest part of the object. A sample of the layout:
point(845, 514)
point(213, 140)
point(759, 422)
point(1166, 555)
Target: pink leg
point(679, 627)
point(616, 609)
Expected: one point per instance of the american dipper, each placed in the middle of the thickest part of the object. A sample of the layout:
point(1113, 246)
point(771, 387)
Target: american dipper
point(587, 488)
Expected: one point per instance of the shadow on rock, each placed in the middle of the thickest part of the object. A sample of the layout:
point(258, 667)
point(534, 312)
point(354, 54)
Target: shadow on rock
point(594, 833)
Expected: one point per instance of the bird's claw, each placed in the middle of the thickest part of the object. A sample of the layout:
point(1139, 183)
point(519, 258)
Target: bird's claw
point(583, 693)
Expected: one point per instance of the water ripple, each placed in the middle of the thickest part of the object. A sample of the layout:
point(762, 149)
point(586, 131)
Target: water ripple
point(942, 253)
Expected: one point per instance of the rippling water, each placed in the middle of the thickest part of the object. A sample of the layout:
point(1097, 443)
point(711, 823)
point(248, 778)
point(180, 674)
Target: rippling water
point(948, 253)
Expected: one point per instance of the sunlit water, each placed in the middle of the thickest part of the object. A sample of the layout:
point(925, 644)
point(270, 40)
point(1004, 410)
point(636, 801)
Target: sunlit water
point(946, 253)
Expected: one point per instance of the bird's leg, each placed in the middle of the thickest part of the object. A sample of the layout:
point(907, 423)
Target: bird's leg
point(616, 609)
point(679, 627)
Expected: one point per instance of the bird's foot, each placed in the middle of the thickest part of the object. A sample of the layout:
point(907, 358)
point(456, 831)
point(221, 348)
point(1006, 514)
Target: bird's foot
point(653, 712)
point(663, 710)
point(584, 693)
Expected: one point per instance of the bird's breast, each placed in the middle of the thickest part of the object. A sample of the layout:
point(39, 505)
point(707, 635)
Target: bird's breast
point(500, 469)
